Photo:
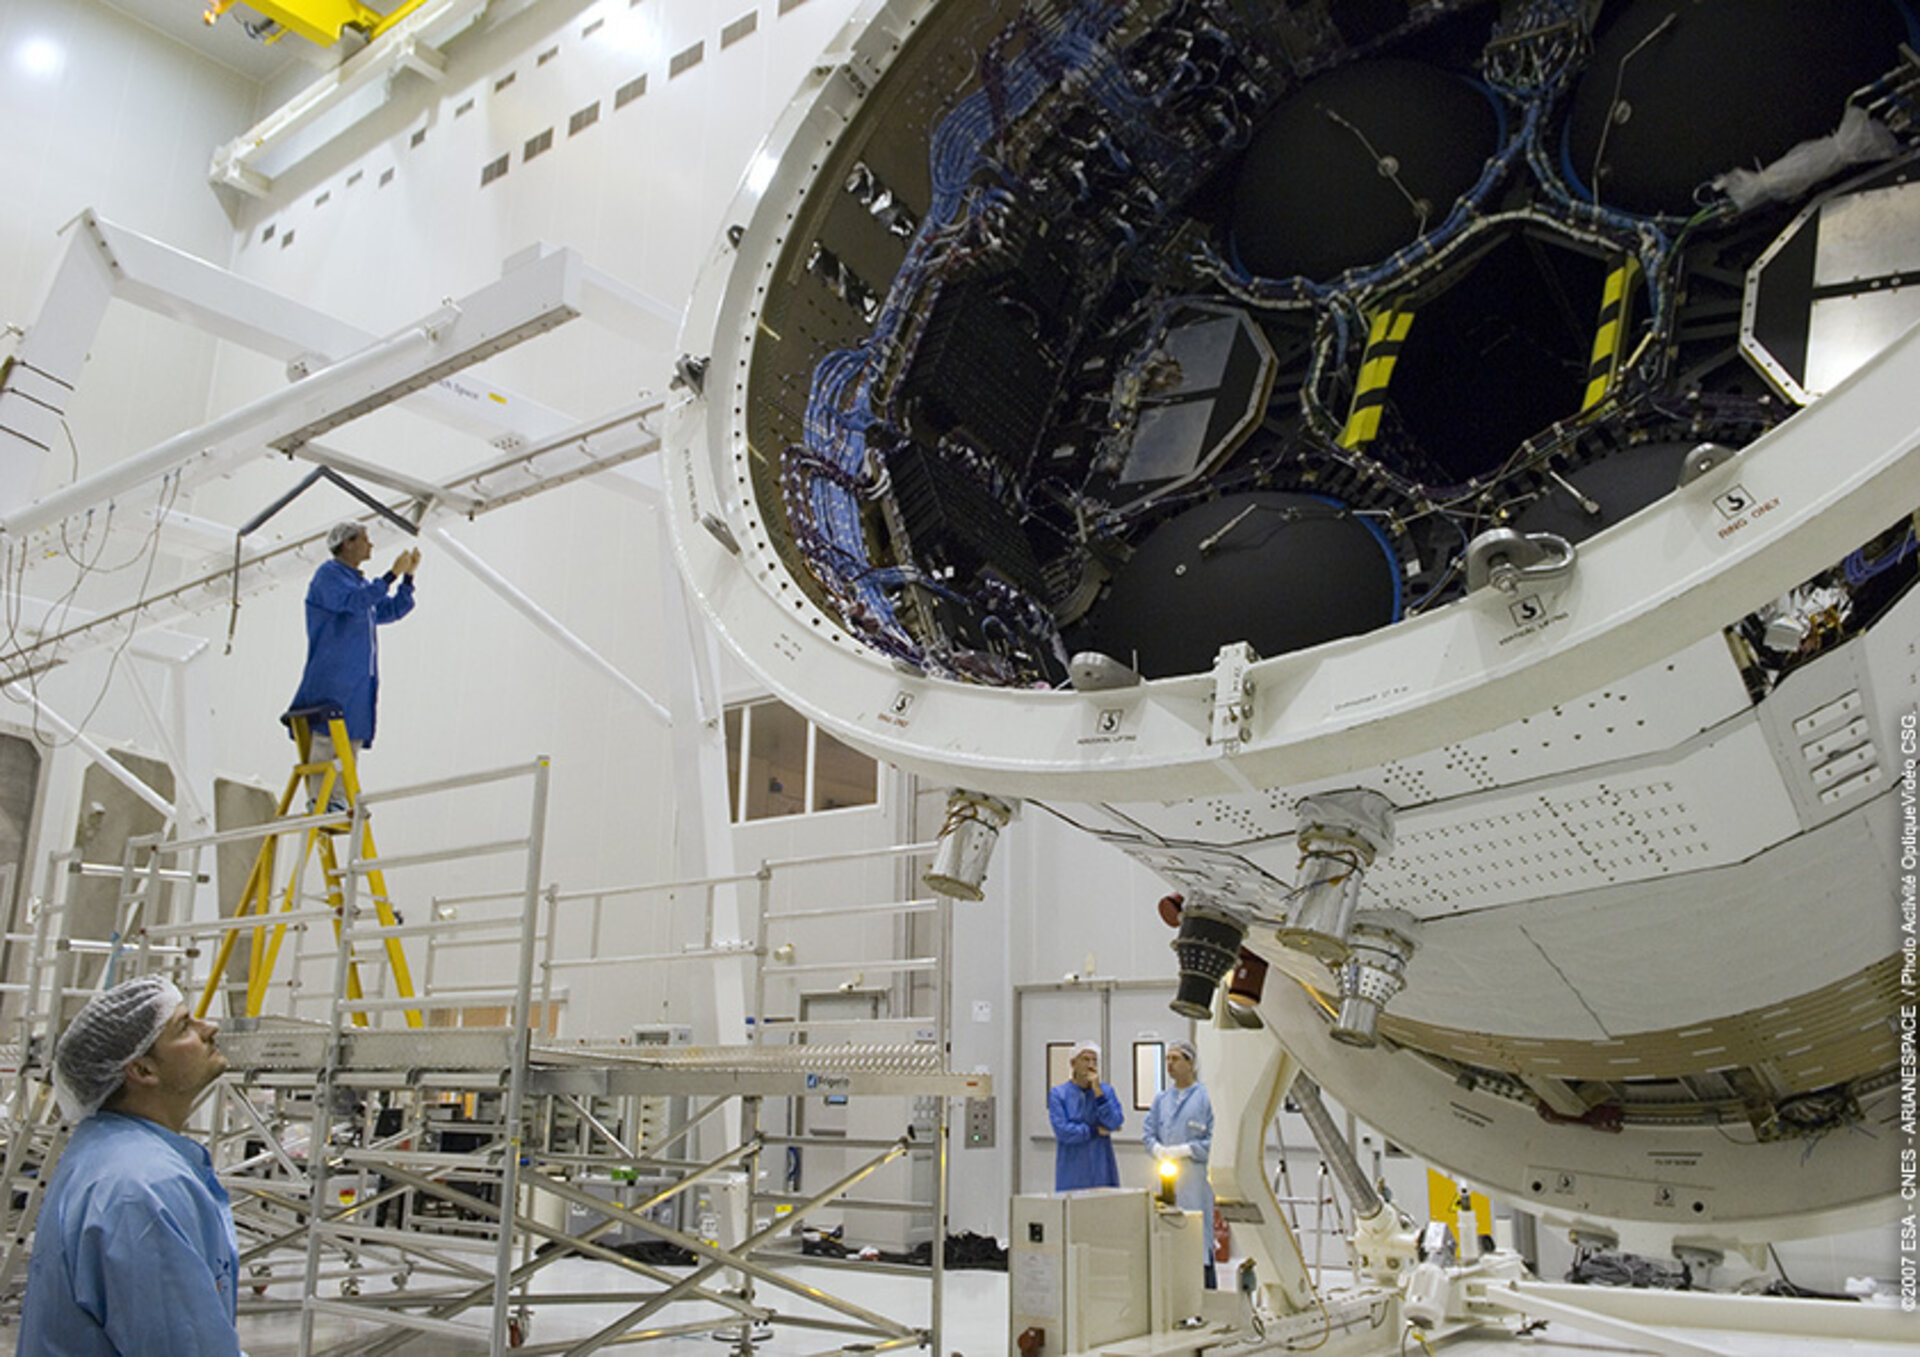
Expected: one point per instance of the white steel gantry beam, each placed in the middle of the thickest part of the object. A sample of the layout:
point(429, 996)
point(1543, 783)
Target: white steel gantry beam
point(537, 296)
point(339, 373)
point(408, 46)
point(550, 626)
point(597, 445)
point(105, 262)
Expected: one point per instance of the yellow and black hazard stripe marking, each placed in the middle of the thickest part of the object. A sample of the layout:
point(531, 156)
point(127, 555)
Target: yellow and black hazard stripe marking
point(1448, 1201)
point(1386, 335)
point(1604, 366)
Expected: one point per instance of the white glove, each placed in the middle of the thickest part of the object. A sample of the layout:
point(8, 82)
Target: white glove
point(1176, 1151)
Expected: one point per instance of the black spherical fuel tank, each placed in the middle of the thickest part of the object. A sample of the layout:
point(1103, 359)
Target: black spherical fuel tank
point(1280, 571)
point(1681, 91)
point(1346, 166)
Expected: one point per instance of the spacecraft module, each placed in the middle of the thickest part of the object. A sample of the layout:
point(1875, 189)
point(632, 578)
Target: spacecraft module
point(1436, 482)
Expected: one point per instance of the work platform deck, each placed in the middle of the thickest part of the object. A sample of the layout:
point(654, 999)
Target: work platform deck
point(459, 1163)
point(258, 1049)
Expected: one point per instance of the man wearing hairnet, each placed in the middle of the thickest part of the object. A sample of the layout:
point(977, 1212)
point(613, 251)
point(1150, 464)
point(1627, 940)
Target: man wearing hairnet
point(344, 611)
point(1085, 1113)
point(134, 1254)
point(1179, 1130)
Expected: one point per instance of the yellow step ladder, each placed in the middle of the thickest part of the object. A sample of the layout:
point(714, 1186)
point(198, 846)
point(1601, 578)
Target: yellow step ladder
point(337, 774)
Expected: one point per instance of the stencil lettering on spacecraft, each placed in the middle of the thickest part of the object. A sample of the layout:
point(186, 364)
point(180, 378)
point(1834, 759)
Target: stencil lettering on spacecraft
point(1387, 694)
point(1674, 1159)
point(1471, 1116)
point(1109, 727)
point(1741, 509)
point(899, 711)
point(691, 485)
point(1531, 617)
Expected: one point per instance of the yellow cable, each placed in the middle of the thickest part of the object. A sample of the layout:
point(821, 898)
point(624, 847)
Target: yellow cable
point(1326, 1328)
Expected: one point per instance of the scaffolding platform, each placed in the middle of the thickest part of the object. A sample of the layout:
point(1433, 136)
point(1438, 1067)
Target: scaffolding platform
point(460, 1162)
point(482, 1056)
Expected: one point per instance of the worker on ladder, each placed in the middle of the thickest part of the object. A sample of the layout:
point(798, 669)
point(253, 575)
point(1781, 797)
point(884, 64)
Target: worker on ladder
point(344, 611)
point(331, 721)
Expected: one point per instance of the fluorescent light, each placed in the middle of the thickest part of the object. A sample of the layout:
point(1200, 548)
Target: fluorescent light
point(41, 58)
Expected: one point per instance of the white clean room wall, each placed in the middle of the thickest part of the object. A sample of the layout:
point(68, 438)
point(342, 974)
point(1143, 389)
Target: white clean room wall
point(104, 113)
point(377, 227)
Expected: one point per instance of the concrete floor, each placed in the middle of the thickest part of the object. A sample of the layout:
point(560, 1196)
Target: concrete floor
point(974, 1324)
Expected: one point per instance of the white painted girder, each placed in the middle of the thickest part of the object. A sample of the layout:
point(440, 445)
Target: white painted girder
point(105, 262)
point(601, 444)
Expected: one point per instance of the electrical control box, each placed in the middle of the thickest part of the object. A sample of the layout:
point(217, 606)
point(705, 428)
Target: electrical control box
point(979, 1124)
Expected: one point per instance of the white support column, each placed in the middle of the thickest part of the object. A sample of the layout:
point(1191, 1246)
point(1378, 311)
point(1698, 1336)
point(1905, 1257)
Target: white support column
point(178, 723)
point(702, 827)
point(189, 711)
point(194, 818)
point(703, 838)
point(1248, 1074)
point(544, 620)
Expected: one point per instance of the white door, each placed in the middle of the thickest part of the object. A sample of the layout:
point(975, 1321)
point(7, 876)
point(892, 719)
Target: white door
point(1131, 1021)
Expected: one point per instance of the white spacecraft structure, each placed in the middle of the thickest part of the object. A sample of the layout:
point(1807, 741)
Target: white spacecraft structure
point(1437, 486)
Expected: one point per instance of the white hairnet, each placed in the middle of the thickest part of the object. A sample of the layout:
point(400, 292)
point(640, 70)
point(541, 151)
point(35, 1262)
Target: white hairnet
point(1185, 1048)
point(1082, 1047)
point(117, 1025)
point(342, 532)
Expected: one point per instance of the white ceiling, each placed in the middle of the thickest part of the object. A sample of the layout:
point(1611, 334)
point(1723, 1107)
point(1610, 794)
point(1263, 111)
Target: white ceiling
point(225, 41)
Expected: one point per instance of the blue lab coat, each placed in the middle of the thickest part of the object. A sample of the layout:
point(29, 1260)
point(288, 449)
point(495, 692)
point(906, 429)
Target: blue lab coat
point(1184, 1116)
point(343, 651)
point(1081, 1158)
point(134, 1255)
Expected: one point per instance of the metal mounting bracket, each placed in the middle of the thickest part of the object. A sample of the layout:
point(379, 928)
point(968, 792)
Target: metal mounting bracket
point(1232, 697)
point(1507, 559)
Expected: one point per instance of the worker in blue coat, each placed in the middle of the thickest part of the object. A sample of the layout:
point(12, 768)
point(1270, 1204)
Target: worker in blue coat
point(1085, 1113)
point(344, 611)
point(1179, 1131)
point(134, 1252)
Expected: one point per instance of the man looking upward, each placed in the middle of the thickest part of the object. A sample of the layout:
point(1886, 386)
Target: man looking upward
point(134, 1254)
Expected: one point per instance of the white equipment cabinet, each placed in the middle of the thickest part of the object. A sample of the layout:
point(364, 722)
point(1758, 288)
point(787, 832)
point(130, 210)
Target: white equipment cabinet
point(1099, 1267)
